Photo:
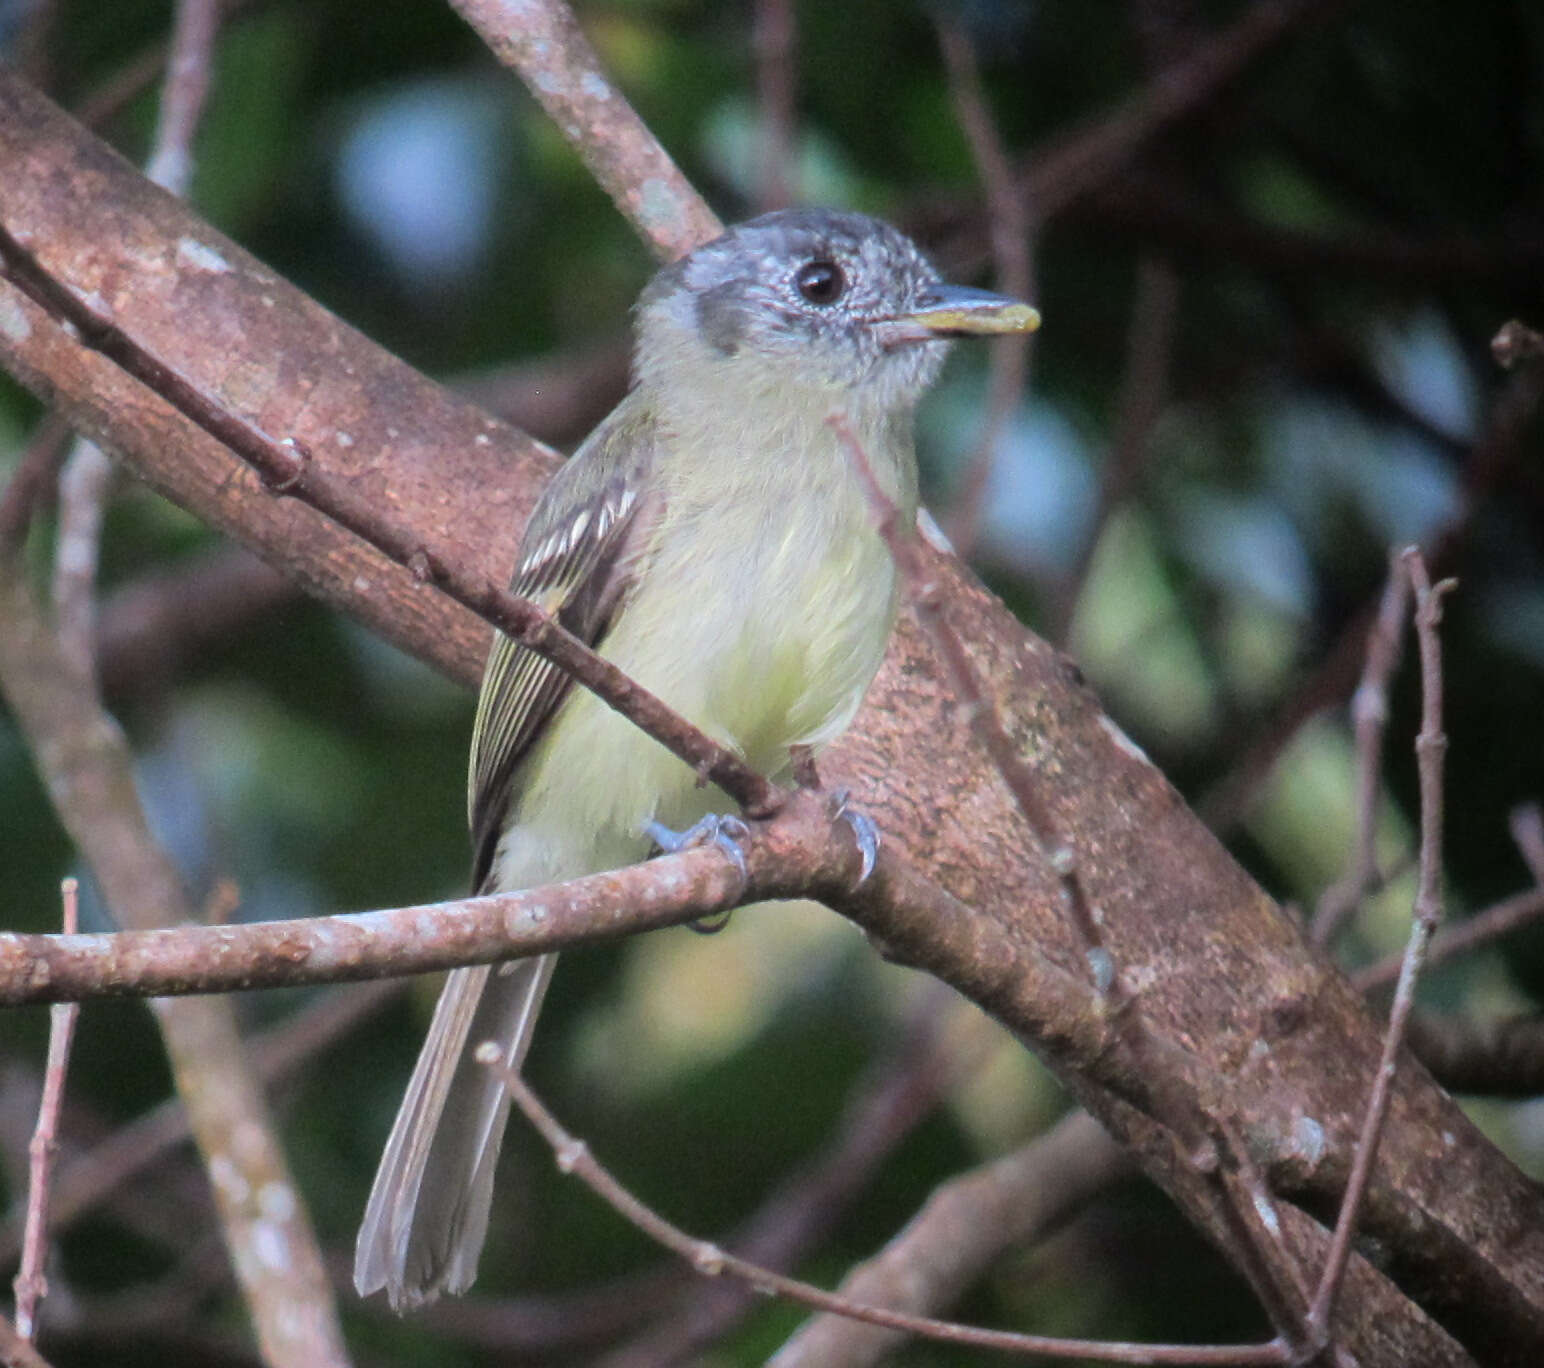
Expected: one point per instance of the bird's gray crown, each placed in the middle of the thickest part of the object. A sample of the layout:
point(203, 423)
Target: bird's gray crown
point(797, 292)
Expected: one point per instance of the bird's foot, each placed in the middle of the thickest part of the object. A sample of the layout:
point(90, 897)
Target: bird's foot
point(864, 833)
point(722, 830)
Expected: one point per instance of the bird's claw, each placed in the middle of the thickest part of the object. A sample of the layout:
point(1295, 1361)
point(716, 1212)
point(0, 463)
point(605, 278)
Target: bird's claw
point(717, 829)
point(864, 834)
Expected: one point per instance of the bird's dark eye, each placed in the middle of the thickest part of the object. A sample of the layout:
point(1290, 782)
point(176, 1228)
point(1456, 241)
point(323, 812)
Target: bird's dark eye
point(821, 282)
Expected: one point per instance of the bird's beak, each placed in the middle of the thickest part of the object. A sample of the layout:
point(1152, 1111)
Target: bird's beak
point(958, 311)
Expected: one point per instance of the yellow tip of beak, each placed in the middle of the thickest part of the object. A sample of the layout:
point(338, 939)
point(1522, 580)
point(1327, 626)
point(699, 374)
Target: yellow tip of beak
point(981, 319)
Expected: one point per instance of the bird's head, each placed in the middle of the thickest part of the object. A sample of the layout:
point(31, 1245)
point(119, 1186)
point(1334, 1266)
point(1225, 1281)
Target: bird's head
point(838, 305)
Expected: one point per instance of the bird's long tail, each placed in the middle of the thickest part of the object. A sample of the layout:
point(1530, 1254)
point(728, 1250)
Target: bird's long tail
point(428, 1212)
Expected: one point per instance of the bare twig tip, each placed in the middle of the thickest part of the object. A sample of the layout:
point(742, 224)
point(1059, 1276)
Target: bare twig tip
point(1516, 342)
point(571, 1155)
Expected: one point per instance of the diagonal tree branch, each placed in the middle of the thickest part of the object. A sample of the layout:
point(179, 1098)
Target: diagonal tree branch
point(542, 40)
point(1221, 968)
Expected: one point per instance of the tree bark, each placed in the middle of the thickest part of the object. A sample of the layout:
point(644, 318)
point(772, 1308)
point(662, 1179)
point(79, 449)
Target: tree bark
point(1278, 1048)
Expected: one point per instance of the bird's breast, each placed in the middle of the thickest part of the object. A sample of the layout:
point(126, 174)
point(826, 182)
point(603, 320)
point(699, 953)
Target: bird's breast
point(790, 593)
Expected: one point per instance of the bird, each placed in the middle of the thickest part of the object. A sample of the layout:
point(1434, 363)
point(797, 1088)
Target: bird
point(713, 539)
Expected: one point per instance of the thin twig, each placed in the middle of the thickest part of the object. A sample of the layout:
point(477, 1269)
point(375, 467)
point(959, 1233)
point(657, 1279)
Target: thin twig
point(1099, 152)
point(31, 480)
point(1430, 746)
point(961, 1229)
point(896, 1094)
point(31, 1282)
point(86, 1178)
point(1526, 823)
point(183, 94)
point(802, 853)
point(575, 1157)
point(773, 33)
point(1011, 230)
point(1499, 919)
point(1149, 348)
point(1369, 714)
point(83, 486)
point(87, 476)
point(542, 41)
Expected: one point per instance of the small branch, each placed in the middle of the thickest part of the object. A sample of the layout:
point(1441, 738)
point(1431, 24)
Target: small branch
point(1149, 347)
point(83, 487)
point(1526, 822)
point(1430, 746)
point(960, 1231)
point(16, 1352)
point(1489, 1059)
point(799, 854)
point(1097, 153)
point(1369, 714)
point(87, 475)
point(183, 94)
point(896, 1094)
point(773, 33)
point(289, 470)
point(31, 1282)
point(542, 41)
point(31, 480)
point(575, 1157)
point(95, 1174)
point(1011, 231)
point(1500, 919)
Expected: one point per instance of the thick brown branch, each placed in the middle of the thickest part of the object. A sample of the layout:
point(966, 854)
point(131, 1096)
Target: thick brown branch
point(1222, 968)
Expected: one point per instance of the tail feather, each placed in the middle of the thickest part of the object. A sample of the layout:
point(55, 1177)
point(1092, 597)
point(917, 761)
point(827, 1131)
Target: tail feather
point(427, 1217)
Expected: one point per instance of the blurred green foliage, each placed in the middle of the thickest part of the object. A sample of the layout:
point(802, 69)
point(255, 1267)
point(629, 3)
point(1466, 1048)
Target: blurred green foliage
point(1347, 224)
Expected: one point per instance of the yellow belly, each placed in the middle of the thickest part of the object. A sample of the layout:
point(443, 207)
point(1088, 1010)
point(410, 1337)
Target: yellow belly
point(790, 670)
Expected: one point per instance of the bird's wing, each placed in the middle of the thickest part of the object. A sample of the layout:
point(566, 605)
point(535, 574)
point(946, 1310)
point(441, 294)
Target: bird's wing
point(574, 563)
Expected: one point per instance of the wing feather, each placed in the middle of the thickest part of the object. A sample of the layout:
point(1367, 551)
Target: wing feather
point(573, 563)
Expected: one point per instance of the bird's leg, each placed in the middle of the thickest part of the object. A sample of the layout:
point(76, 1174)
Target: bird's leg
point(720, 829)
